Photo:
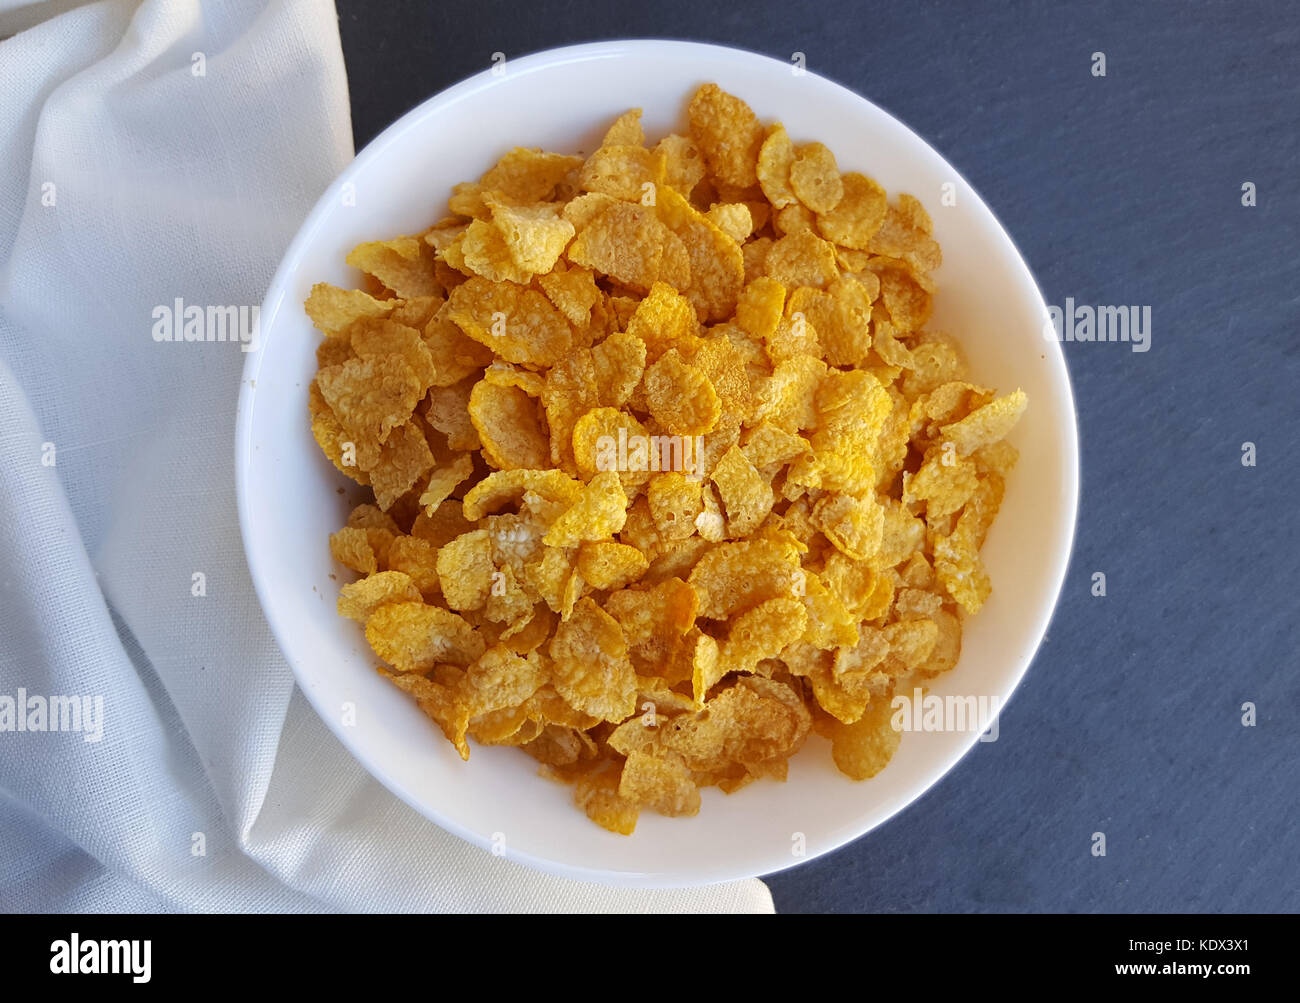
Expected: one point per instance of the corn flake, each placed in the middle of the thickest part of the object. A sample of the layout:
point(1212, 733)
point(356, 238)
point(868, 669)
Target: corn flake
point(666, 466)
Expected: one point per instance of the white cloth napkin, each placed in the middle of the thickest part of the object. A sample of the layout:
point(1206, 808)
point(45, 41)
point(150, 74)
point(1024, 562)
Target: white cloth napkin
point(127, 179)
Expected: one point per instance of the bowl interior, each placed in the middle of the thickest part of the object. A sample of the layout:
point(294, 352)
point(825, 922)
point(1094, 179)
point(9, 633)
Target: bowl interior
point(291, 499)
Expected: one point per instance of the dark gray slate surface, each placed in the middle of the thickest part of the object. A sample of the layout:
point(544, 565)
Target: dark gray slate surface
point(1122, 190)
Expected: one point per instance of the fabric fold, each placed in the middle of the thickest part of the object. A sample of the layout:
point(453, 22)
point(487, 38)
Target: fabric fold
point(154, 152)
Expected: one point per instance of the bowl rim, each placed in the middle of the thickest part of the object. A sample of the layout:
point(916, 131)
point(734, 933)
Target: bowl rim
point(277, 291)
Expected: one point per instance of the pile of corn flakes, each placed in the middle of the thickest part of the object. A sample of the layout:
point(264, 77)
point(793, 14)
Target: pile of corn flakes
point(668, 471)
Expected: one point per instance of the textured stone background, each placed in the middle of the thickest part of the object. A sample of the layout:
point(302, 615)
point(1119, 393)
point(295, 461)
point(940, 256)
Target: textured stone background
point(1122, 190)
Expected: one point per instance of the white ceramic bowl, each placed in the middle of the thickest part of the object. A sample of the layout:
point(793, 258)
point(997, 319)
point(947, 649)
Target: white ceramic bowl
point(289, 501)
